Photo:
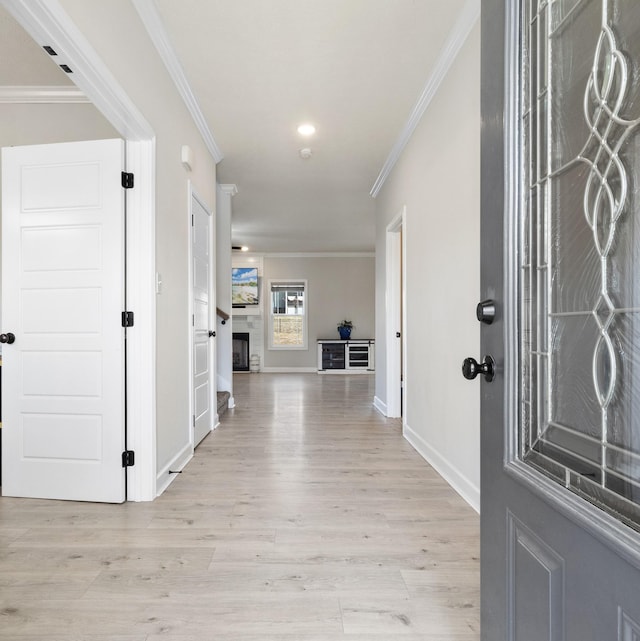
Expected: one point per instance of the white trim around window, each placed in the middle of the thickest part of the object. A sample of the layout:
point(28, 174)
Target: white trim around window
point(287, 301)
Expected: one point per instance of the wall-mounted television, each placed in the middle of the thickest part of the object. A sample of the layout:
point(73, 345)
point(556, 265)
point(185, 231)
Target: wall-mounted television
point(244, 286)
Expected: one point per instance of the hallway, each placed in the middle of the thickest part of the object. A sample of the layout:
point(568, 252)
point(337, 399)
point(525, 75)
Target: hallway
point(305, 517)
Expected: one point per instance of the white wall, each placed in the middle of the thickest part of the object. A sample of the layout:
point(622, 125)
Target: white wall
point(339, 287)
point(438, 179)
point(115, 31)
point(34, 124)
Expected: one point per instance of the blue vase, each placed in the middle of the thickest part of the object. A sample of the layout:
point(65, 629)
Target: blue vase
point(345, 333)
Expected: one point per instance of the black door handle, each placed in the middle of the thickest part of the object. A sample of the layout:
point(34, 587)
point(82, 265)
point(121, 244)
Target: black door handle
point(211, 334)
point(397, 334)
point(7, 338)
point(471, 368)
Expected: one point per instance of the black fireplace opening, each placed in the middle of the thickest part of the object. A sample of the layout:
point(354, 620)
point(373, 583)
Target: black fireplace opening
point(240, 351)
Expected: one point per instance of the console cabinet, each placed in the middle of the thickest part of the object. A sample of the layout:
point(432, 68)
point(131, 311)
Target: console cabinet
point(354, 356)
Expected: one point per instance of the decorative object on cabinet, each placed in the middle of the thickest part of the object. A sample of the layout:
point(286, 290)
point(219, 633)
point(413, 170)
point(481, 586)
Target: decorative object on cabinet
point(344, 328)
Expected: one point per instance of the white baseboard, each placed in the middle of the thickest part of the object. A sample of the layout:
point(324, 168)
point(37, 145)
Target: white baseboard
point(289, 370)
point(381, 406)
point(467, 490)
point(164, 479)
point(344, 372)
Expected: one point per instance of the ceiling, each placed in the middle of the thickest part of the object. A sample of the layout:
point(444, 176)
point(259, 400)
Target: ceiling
point(353, 68)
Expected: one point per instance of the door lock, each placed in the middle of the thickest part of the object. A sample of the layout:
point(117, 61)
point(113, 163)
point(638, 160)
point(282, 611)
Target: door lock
point(471, 368)
point(486, 311)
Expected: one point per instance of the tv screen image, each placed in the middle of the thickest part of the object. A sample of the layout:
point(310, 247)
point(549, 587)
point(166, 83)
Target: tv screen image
point(244, 286)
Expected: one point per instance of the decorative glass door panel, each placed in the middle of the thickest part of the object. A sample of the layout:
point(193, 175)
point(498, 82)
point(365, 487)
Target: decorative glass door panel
point(580, 249)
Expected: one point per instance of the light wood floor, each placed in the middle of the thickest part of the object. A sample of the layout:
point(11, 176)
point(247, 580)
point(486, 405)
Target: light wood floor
point(304, 517)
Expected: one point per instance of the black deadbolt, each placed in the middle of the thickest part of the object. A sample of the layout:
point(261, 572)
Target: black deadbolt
point(486, 311)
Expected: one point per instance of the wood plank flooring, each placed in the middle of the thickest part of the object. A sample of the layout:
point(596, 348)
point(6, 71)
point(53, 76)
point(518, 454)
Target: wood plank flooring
point(304, 517)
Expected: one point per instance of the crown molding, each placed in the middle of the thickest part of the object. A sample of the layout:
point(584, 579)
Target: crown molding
point(230, 189)
point(42, 94)
point(152, 21)
point(467, 19)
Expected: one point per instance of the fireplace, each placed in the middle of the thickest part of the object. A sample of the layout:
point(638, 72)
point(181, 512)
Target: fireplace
point(240, 351)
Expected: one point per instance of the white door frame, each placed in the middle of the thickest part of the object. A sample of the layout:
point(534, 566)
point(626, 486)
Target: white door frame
point(48, 24)
point(395, 312)
point(193, 194)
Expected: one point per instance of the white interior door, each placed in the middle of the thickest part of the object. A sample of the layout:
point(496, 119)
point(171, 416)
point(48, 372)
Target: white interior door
point(394, 315)
point(62, 297)
point(203, 345)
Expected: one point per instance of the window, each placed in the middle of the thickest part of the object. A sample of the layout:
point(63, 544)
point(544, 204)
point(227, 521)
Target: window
point(288, 314)
point(578, 259)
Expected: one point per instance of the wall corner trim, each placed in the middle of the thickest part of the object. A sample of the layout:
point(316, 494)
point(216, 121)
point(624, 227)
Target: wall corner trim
point(456, 479)
point(177, 463)
point(152, 21)
point(380, 405)
point(468, 17)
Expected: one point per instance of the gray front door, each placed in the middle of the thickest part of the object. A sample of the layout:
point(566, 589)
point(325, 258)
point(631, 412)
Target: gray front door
point(560, 478)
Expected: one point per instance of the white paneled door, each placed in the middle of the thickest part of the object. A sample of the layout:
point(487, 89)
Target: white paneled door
point(63, 403)
point(560, 435)
point(203, 346)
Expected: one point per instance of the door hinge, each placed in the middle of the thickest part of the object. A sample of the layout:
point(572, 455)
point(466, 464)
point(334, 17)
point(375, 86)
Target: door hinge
point(127, 180)
point(194, 420)
point(128, 458)
point(127, 319)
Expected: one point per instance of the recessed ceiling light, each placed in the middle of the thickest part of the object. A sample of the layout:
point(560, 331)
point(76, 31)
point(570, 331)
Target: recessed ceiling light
point(306, 130)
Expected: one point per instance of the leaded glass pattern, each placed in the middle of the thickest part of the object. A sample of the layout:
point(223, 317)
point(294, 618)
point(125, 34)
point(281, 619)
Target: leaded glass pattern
point(580, 248)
